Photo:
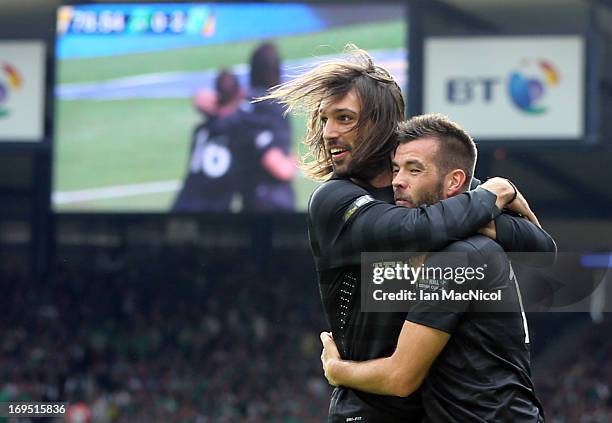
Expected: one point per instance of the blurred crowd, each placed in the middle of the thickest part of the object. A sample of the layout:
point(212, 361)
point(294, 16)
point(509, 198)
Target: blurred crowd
point(167, 337)
point(575, 386)
point(179, 336)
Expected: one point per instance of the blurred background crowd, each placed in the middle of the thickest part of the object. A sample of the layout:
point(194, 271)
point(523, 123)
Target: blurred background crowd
point(167, 334)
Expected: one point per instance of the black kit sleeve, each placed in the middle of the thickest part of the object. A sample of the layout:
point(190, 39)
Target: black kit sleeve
point(518, 235)
point(344, 220)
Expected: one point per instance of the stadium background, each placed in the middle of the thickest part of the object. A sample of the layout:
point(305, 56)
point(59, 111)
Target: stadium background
point(151, 317)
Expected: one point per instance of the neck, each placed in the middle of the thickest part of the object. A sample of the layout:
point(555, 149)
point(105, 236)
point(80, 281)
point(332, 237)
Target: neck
point(381, 180)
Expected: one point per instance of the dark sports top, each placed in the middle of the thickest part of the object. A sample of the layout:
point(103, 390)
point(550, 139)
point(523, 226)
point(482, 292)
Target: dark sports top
point(226, 154)
point(346, 219)
point(214, 168)
point(268, 128)
point(483, 374)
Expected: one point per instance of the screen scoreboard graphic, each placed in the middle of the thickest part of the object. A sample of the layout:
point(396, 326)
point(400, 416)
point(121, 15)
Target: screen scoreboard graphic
point(197, 20)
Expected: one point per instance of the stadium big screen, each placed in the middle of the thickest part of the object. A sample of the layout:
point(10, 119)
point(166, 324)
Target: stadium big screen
point(144, 93)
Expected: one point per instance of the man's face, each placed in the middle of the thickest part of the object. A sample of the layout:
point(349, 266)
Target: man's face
point(339, 118)
point(416, 177)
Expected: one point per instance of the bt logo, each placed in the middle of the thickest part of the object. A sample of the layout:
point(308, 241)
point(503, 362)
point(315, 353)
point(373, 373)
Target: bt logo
point(527, 91)
point(526, 88)
point(9, 80)
point(466, 90)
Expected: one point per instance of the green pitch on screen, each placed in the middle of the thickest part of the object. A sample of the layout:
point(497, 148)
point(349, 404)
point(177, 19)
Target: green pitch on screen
point(113, 143)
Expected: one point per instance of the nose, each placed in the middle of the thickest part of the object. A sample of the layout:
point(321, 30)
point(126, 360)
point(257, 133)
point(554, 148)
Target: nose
point(398, 182)
point(330, 130)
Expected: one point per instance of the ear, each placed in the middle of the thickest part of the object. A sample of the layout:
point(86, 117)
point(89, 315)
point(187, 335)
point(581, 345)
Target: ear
point(454, 182)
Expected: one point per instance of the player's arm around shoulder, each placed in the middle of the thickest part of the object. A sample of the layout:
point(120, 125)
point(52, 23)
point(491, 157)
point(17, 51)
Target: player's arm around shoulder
point(515, 234)
point(348, 218)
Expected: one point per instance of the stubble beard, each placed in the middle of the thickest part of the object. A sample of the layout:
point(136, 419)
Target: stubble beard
point(430, 197)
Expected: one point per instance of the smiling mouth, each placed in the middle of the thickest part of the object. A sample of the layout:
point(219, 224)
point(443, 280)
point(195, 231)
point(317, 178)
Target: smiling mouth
point(337, 151)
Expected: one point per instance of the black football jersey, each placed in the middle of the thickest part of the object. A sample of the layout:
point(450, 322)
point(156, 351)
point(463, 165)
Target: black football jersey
point(215, 166)
point(346, 219)
point(483, 373)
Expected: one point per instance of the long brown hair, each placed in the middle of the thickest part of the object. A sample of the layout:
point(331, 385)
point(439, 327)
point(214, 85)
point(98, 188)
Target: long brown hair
point(382, 107)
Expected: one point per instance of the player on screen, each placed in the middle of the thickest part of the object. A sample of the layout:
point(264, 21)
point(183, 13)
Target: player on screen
point(353, 107)
point(267, 165)
point(273, 166)
point(473, 364)
point(213, 176)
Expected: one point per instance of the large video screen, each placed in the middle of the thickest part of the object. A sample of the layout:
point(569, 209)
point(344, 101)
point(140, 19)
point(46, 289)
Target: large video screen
point(153, 110)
